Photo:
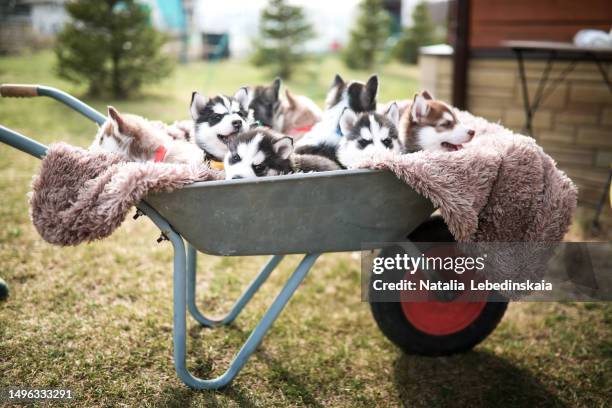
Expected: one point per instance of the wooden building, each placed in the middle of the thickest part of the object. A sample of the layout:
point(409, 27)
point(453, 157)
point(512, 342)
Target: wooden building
point(480, 73)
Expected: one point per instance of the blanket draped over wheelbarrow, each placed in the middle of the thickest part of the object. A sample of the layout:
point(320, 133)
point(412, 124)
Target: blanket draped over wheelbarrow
point(82, 196)
point(501, 187)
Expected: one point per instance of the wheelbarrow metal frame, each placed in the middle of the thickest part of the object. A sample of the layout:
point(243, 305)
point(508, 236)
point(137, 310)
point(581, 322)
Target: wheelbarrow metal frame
point(184, 292)
point(184, 264)
point(184, 260)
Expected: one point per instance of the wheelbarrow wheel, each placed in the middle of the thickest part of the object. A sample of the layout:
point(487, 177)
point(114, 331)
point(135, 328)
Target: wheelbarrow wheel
point(4, 290)
point(436, 328)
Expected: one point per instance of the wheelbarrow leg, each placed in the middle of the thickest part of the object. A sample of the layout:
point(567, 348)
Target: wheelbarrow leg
point(242, 301)
point(179, 334)
point(256, 336)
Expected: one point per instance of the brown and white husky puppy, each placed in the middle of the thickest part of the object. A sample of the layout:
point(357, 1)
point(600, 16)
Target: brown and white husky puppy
point(300, 115)
point(294, 116)
point(430, 124)
point(136, 139)
point(261, 152)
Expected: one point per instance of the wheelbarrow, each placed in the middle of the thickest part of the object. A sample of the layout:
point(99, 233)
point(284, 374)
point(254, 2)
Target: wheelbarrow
point(320, 213)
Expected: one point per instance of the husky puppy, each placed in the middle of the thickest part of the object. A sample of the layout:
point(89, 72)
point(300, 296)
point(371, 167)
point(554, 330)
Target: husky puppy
point(136, 139)
point(356, 95)
point(300, 115)
point(218, 118)
point(366, 134)
point(325, 135)
point(431, 124)
point(261, 152)
point(266, 105)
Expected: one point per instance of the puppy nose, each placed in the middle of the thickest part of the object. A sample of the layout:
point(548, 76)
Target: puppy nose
point(237, 177)
point(471, 133)
point(237, 124)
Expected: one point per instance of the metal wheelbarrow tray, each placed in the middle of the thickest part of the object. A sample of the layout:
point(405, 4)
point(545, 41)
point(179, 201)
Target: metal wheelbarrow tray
point(294, 214)
point(300, 213)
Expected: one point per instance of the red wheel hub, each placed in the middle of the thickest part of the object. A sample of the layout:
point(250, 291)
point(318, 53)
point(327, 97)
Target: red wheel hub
point(441, 318)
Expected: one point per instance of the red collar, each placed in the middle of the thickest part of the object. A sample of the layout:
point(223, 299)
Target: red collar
point(160, 154)
point(302, 129)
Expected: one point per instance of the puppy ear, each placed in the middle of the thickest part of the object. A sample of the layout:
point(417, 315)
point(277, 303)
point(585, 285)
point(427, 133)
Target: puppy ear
point(372, 85)
point(419, 108)
point(283, 147)
point(290, 99)
point(198, 102)
point(348, 118)
point(425, 94)
point(242, 96)
point(337, 81)
point(116, 120)
point(393, 113)
point(276, 84)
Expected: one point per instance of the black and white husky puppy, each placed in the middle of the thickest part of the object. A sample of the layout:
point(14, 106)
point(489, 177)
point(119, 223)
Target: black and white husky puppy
point(325, 135)
point(367, 133)
point(266, 105)
point(261, 152)
point(217, 119)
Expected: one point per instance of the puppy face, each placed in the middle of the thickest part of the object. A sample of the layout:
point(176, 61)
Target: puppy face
point(432, 125)
point(218, 118)
point(257, 153)
point(266, 105)
point(359, 97)
point(131, 136)
point(366, 134)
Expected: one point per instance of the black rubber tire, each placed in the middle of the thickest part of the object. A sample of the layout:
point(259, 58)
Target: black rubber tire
point(392, 321)
point(4, 290)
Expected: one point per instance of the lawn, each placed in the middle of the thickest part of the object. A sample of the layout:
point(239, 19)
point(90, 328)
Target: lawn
point(97, 318)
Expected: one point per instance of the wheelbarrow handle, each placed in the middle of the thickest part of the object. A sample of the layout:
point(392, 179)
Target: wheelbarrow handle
point(18, 90)
point(21, 142)
point(29, 91)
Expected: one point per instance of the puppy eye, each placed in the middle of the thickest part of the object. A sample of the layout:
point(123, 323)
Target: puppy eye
point(234, 159)
point(218, 117)
point(387, 142)
point(363, 142)
point(242, 114)
point(446, 124)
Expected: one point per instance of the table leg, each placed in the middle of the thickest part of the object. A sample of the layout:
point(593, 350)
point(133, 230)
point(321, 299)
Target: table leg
point(526, 103)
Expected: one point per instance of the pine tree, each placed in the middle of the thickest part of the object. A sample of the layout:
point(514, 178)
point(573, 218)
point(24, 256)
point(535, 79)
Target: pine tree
point(111, 46)
point(283, 32)
point(368, 36)
point(420, 34)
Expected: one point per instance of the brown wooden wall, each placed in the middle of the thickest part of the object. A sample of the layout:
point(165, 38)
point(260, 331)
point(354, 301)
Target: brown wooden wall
point(493, 21)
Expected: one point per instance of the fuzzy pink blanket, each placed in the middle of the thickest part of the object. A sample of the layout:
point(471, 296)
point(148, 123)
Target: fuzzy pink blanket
point(82, 196)
point(502, 187)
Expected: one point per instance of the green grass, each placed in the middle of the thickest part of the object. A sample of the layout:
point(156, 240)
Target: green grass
point(97, 318)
